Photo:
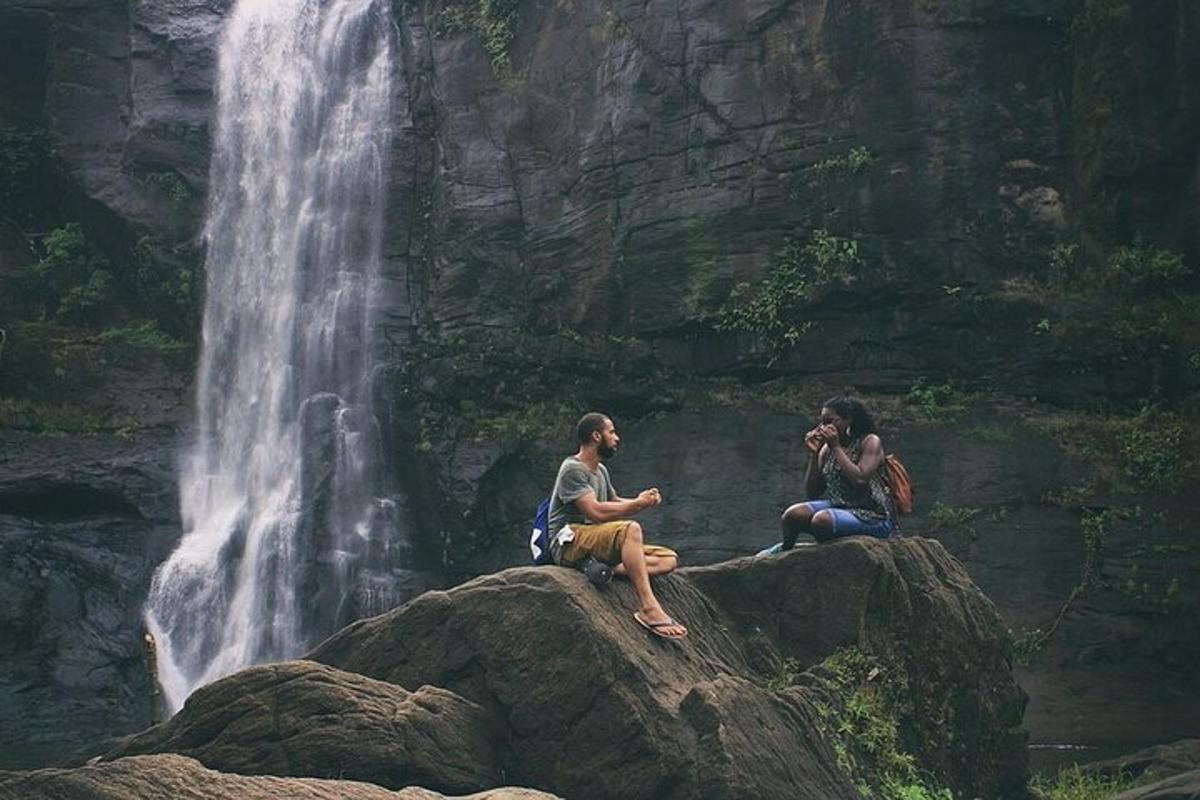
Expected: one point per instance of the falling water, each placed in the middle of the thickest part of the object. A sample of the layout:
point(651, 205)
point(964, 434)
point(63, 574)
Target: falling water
point(286, 536)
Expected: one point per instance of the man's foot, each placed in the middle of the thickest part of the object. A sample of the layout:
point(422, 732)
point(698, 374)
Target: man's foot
point(660, 625)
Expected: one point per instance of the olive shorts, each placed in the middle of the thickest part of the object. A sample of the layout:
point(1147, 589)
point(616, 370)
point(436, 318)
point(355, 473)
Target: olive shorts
point(603, 541)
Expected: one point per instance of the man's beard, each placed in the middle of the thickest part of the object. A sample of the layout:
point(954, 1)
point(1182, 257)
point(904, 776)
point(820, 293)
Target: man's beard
point(605, 451)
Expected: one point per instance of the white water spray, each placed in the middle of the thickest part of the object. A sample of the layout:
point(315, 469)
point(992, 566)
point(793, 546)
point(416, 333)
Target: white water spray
point(279, 499)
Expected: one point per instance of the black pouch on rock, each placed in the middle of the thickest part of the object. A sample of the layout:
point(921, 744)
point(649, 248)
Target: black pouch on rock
point(597, 571)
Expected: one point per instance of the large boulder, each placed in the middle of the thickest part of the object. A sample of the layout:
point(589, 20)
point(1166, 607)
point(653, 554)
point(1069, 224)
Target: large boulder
point(594, 707)
point(180, 778)
point(1153, 764)
point(1185, 786)
point(302, 719)
point(912, 603)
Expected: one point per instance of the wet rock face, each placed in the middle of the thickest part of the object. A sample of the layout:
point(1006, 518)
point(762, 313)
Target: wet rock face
point(82, 526)
point(643, 148)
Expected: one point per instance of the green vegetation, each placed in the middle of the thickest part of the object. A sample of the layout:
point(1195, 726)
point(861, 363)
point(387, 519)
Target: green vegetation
point(1075, 784)
point(1164, 598)
point(72, 282)
point(492, 21)
point(53, 419)
point(945, 519)
point(170, 184)
point(1124, 309)
point(1095, 526)
point(935, 402)
point(773, 310)
point(1027, 644)
point(144, 336)
point(47, 363)
point(851, 163)
point(536, 421)
point(1149, 450)
point(169, 282)
point(867, 699)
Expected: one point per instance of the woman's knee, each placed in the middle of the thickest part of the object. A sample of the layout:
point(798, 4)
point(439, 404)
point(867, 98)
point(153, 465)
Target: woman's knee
point(822, 524)
point(798, 514)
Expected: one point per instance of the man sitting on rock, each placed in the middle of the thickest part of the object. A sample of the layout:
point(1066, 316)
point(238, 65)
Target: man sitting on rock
point(589, 518)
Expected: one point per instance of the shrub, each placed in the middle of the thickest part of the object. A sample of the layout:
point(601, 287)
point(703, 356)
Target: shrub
point(492, 21)
point(72, 281)
point(169, 282)
point(1075, 784)
point(773, 309)
point(851, 163)
point(933, 402)
point(862, 722)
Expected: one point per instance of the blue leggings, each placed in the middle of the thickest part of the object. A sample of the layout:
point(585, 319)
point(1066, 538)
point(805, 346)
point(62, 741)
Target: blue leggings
point(844, 524)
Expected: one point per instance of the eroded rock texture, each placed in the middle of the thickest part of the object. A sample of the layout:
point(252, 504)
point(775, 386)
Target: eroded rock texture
point(184, 778)
point(562, 231)
point(302, 719)
point(592, 706)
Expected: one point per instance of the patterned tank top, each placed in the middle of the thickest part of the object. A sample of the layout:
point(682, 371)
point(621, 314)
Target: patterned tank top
point(870, 503)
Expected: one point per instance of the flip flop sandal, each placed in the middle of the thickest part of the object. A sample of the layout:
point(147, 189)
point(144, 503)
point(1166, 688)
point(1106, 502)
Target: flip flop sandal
point(656, 627)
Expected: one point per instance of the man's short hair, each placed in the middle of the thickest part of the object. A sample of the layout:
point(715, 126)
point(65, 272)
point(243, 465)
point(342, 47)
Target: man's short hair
point(588, 424)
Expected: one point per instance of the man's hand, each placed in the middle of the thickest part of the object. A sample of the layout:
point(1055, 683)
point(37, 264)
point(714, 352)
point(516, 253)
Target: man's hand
point(649, 497)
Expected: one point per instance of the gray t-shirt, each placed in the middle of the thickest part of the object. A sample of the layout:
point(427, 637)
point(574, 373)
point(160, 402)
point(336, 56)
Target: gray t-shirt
point(573, 482)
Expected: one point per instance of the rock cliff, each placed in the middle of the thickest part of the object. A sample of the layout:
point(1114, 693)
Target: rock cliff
point(804, 675)
point(577, 192)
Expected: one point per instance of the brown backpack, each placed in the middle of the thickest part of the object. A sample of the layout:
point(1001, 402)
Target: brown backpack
point(900, 483)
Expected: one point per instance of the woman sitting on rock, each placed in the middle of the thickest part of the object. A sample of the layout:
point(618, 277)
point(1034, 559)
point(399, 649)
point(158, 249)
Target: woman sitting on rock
point(846, 468)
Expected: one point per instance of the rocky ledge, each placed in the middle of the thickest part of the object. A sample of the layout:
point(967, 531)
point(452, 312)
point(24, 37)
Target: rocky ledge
point(533, 677)
point(181, 778)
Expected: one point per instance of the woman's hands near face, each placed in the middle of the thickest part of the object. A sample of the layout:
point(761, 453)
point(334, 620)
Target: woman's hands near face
point(829, 435)
point(813, 440)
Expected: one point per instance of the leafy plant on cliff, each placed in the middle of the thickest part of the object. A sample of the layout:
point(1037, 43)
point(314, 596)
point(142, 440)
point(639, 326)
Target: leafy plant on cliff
point(72, 281)
point(935, 402)
point(492, 21)
point(1095, 526)
point(169, 282)
point(1127, 309)
point(857, 160)
point(946, 518)
point(774, 309)
point(56, 419)
point(863, 720)
point(1144, 451)
point(1075, 784)
point(170, 184)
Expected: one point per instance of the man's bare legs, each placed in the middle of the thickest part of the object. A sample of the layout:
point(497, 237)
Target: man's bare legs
point(655, 566)
point(636, 567)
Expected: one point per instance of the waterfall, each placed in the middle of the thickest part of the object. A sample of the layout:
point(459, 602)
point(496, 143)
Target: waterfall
point(286, 536)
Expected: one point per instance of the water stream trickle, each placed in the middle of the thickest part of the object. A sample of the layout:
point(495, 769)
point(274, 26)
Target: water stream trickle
point(283, 522)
